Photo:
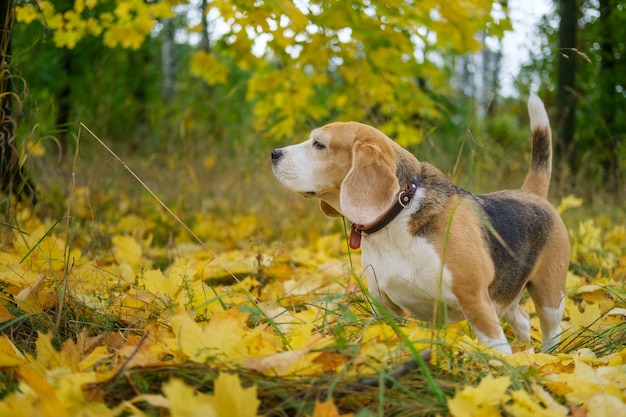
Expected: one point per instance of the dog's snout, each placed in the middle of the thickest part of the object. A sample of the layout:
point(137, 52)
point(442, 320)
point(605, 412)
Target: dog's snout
point(276, 154)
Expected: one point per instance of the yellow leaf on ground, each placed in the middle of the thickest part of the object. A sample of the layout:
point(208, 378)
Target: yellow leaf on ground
point(279, 364)
point(226, 338)
point(184, 401)
point(127, 250)
point(606, 405)
point(232, 400)
point(48, 357)
point(9, 354)
point(16, 404)
point(482, 400)
point(5, 314)
point(35, 298)
point(48, 402)
point(526, 405)
point(588, 317)
point(327, 409)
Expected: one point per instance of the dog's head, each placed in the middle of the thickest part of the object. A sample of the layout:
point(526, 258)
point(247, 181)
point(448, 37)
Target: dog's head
point(349, 166)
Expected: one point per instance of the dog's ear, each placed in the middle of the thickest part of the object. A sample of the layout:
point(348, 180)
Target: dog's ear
point(371, 184)
point(329, 210)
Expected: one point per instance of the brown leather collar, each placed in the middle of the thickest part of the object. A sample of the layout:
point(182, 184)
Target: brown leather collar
point(404, 198)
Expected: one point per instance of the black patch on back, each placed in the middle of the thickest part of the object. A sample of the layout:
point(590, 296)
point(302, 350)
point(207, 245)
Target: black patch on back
point(524, 228)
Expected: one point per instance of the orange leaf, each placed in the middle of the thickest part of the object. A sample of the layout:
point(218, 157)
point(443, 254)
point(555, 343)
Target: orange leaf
point(327, 409)
point(5, 314)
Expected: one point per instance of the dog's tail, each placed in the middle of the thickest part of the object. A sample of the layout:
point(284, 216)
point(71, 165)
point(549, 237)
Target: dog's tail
point(538, 178)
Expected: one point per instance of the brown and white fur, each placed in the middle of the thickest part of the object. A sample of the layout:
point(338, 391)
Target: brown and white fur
point(474, 254)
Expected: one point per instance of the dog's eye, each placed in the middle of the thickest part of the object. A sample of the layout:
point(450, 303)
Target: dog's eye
point(318, 145)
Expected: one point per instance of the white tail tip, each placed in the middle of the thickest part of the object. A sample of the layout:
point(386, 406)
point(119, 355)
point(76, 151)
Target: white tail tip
point(537, 112)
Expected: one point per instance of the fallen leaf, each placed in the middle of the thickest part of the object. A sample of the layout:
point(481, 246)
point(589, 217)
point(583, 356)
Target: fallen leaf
point(36, 297)
point(606, 405)
point(226, 338)
point(279, 364)
point(232, 400)
point(9, 354)
point(49, 404)
point(482, 400)
point(527, 405)
point(184, 401)
point(327, 409)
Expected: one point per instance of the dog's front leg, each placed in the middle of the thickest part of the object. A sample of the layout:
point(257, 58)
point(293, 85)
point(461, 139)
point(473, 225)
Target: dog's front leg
point(379, 295)
point(483, 319)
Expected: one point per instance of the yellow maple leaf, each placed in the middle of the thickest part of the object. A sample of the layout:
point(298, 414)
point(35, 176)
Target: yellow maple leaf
point(36, 297)
point(587, 317)
point(281, 363)
point(43, 250)
point(9, 354)
point(157, 284)
point(184, 401)
point(526, 405)
point(127, 250)
point(327, 409)
point(586, 382)
point(48, 402)
point(232, 400)
point(48, 357)
point(604, 405)
point(222, 338)
point(18, 404)
point(229, 399)
point(482, 400)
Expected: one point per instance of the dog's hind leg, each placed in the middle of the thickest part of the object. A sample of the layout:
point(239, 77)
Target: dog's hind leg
point(519, 321)
point(547, 286)
point(550, 312)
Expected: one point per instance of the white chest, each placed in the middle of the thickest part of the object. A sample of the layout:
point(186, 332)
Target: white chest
point(405, 272)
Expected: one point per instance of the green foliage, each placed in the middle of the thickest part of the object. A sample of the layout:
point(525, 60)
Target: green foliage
point(294, 66)
point(600, 92)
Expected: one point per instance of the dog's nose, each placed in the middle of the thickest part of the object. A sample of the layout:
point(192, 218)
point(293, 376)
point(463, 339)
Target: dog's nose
point(276, 155)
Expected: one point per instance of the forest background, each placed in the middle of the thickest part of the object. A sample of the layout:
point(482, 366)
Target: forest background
point(191, 96)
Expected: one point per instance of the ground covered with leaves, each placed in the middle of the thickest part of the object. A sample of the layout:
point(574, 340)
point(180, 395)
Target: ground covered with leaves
point(129, 314)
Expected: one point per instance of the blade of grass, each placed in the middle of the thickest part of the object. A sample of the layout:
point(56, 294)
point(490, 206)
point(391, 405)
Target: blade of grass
point(14, 228)
point(36, 245)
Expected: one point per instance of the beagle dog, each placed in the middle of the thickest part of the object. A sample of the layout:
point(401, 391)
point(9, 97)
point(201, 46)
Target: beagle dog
point(431, 248)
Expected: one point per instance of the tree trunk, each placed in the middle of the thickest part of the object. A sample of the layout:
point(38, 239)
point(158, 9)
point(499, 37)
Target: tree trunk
point(13, 179)
point(63, 100)
point(608, 104)
point(168, 60)
point(205, 44)
point(566, 95)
